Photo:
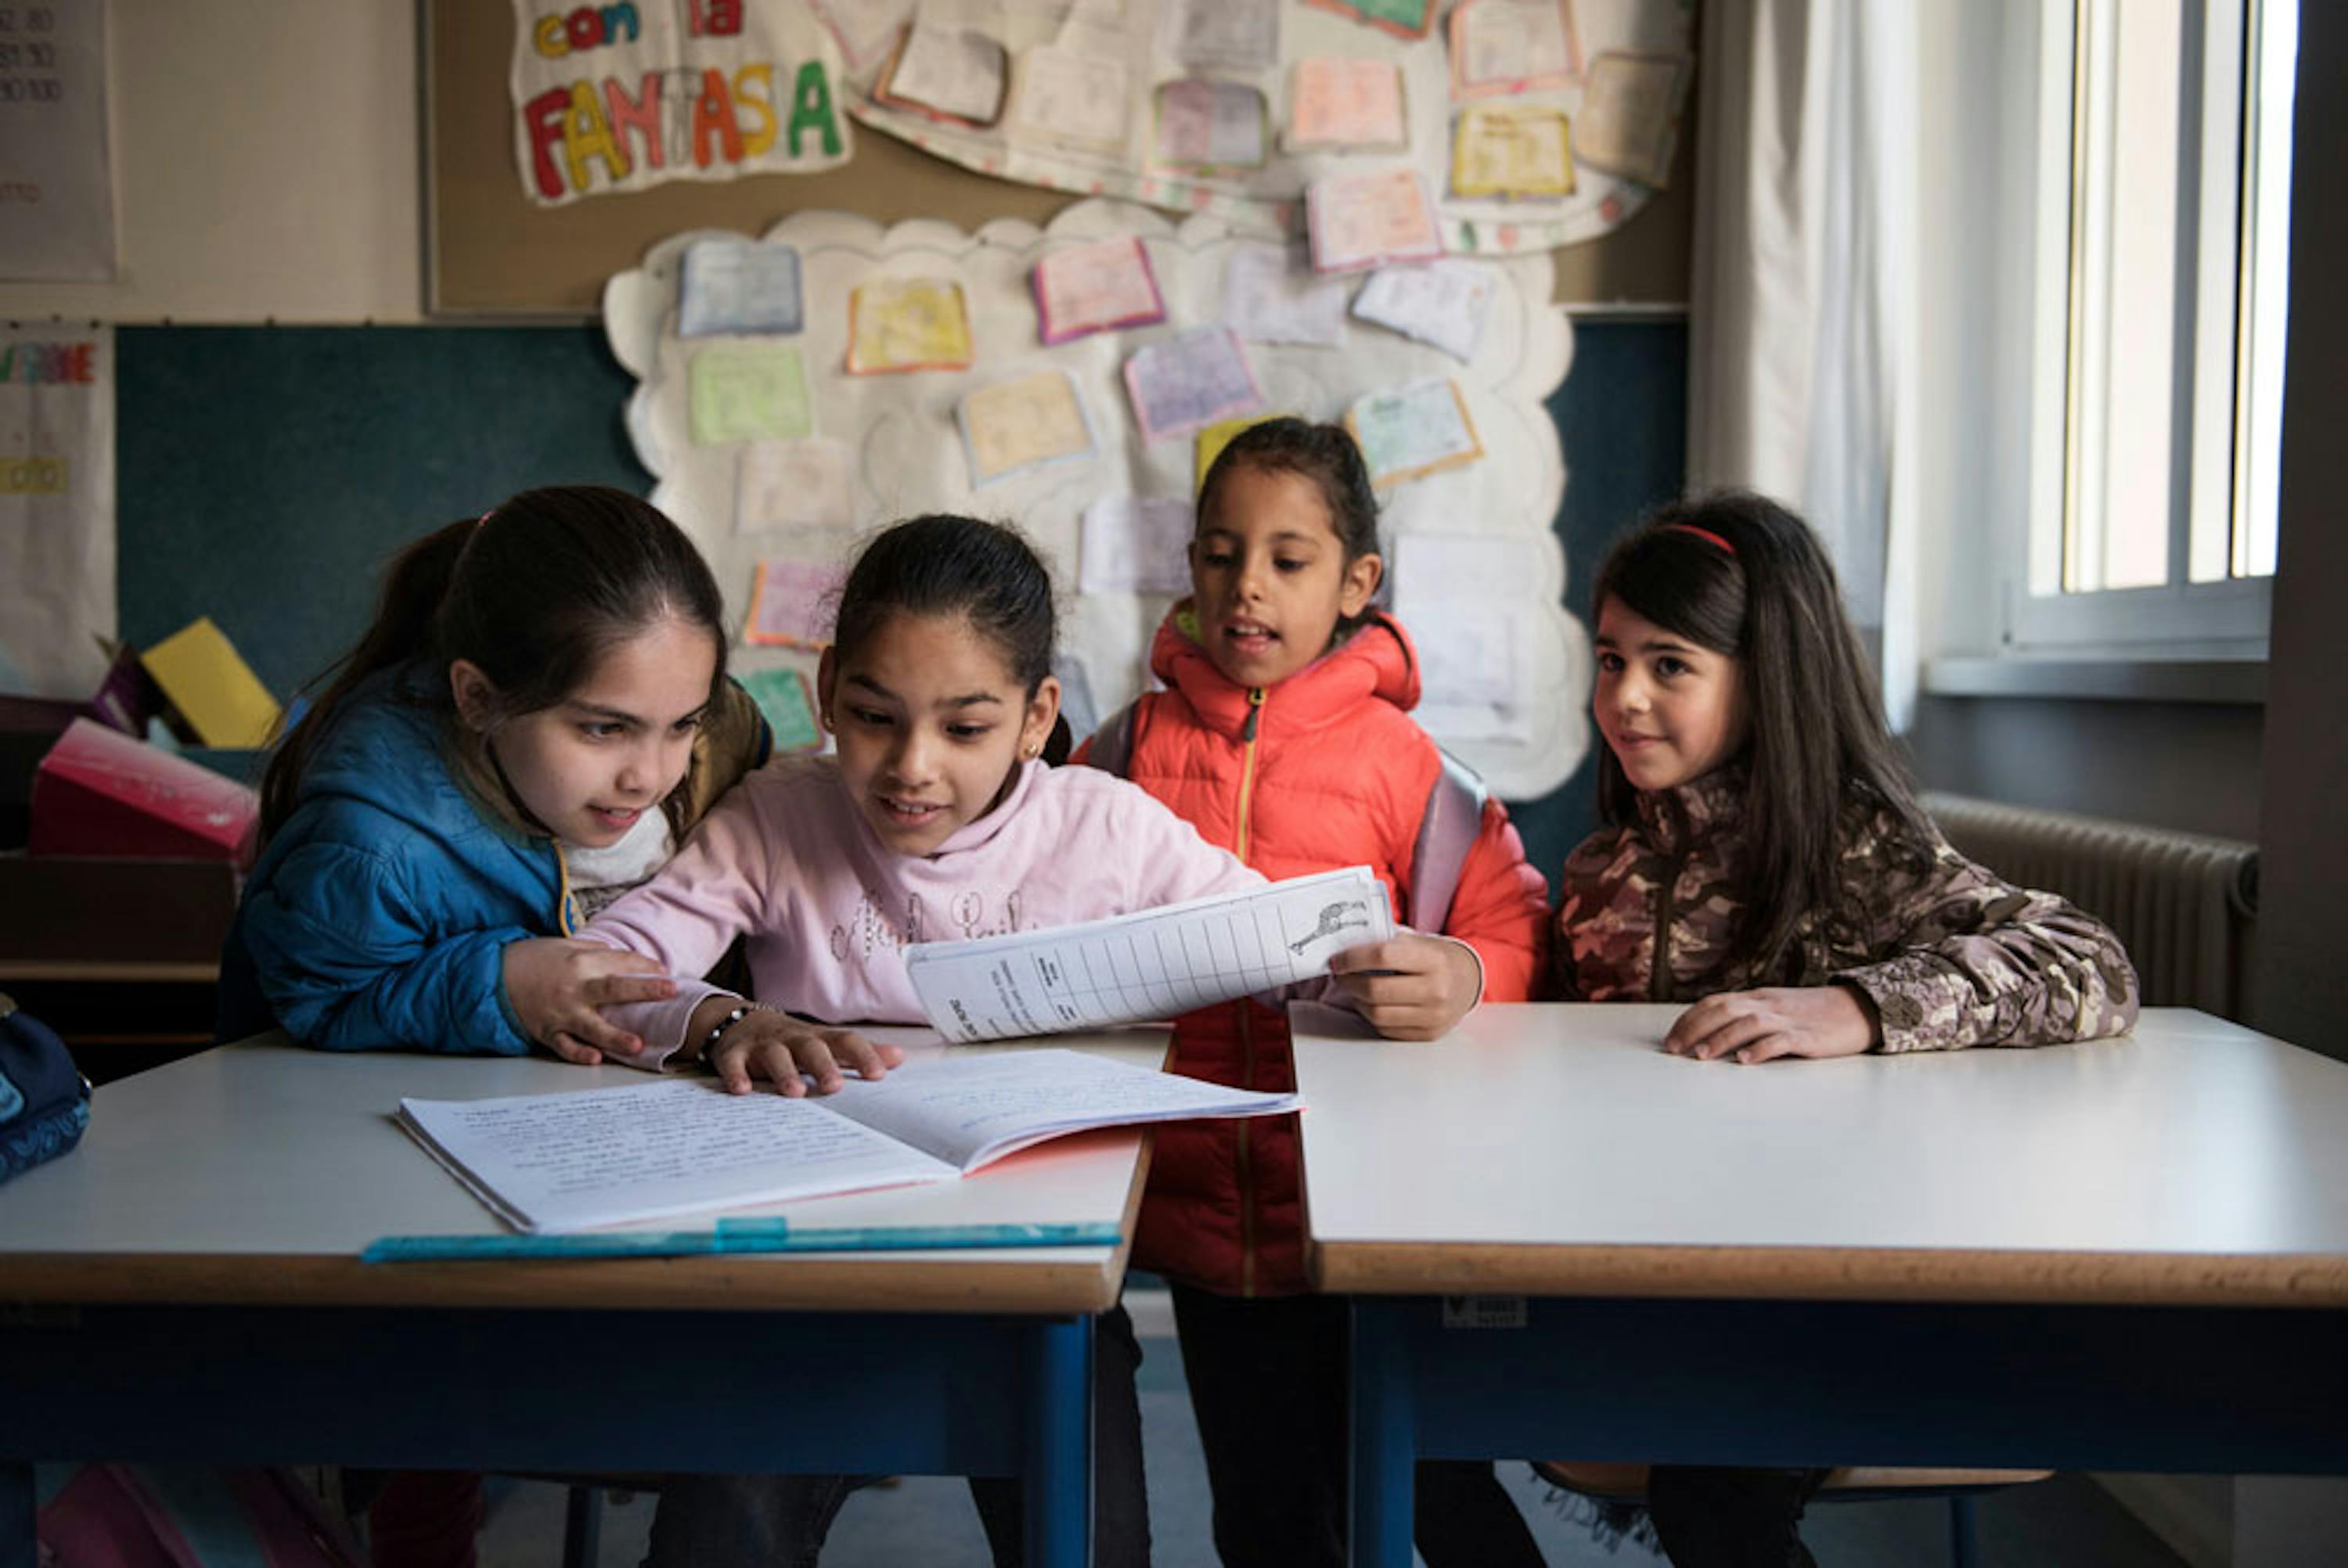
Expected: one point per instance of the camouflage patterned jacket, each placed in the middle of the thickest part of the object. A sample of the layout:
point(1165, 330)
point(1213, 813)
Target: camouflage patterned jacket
point(1949, 955)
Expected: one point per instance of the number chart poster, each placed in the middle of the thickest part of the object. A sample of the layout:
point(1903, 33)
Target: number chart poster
point(56, 508)
point(620, 97)
point(57, 196)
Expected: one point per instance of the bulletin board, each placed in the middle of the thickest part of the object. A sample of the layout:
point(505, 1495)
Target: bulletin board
point(491, 254)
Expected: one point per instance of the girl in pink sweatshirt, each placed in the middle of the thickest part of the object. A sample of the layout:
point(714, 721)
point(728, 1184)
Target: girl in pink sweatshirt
point(937, 819)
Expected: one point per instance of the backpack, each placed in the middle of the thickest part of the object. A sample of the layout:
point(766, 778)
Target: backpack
point(44, 1098)
point(188, 1516)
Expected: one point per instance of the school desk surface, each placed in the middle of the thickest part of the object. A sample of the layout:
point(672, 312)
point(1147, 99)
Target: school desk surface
point(2123, 1254)
point(186, 1287)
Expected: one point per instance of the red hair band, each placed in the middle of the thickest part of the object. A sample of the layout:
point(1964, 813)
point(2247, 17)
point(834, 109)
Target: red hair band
point(1705, 534)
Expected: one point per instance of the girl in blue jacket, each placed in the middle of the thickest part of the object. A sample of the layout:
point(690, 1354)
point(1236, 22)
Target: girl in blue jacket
point(536, 716)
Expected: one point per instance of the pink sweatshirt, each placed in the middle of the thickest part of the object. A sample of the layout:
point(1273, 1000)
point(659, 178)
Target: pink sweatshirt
point(786, 860)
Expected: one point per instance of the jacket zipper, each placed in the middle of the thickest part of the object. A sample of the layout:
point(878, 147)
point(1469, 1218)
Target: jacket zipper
point(1659, 982)
point(1247, 1020)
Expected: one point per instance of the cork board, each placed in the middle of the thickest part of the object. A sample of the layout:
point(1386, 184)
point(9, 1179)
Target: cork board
point(491, 254)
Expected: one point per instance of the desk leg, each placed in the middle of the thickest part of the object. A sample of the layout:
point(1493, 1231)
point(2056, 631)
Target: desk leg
point(1383, 1443)
point(17, 1542)
point(1059, 1469)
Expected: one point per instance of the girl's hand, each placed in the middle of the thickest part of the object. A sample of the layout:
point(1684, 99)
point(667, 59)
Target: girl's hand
point(1784, 1020)
point(1411, 988)
point(556, 983)
point(786, 1052)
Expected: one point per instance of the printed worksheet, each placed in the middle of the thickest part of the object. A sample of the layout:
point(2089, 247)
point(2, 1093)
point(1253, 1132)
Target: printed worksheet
point(1078, 100)
point(1413, 431)
point(1136, 544)
point(907, 323)
point(1022, 422)
point(1357, 220)
point(1156, 964)
point(744, 392)
point(1271, 295)
point(1442, 302)
point(948, 73)
point(1513, 46)
point(1091, 287)
point(1190, 379)
point(1510, 149)
point(794, 484)
point(1205, 124)
point(1346, 103)
point(739, 286)
point(1629, 119)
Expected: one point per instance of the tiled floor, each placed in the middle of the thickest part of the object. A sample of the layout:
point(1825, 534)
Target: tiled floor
point(929, 1521)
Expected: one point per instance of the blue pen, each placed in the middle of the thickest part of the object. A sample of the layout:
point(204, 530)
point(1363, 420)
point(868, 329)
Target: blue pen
point(737, 1237)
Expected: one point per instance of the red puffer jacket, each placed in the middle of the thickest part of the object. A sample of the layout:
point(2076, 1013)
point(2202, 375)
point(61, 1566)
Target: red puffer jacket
point(1324, 770)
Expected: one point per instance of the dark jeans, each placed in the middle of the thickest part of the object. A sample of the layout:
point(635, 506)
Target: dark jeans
point(780, 1521)
point(1268, 1379)
point(1710, 1516)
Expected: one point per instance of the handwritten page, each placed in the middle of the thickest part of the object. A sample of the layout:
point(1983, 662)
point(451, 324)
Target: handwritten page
point(1357, 220)
point(1510, 149)
point(788, 707)
point(1191, 379)
point(1228, 35)
point(794, 484)
point(947, 73)
point(1136, 544)
point(1413, 431)
point(737, 286)
point(1339, 103)
point(907, 323)
point(1156, 964)
point(743, 392)
point(1440, 303)
point(1477, 680)
point(621, 1157)
point(1207, 123)
point(1513, 46)
point(553, 1163)
point(1629, 116)
point(793, 603)
point(1094, 287)
point(1403, 18)
point(1271, 295)
point(1020, 422)
point(1078, 100)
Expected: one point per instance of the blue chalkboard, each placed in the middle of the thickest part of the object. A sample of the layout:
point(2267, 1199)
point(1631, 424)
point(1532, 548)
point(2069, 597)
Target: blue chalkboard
point(266, 474)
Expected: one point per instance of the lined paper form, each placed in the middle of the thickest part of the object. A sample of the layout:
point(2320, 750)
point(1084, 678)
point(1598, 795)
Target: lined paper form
point(1156, 964)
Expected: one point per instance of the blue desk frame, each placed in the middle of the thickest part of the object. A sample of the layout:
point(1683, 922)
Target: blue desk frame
point(531, 1388)
point(2257, 1390)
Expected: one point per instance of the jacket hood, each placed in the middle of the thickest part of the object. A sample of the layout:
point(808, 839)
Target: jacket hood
point(1376, 664)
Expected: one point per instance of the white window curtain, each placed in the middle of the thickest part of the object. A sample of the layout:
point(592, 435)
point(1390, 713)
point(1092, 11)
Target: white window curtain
point(1802, 329)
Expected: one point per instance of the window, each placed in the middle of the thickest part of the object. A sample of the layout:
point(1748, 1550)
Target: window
point(2163, 210)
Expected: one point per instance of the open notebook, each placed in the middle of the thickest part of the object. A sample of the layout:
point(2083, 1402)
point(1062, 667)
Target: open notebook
point(677, 1146)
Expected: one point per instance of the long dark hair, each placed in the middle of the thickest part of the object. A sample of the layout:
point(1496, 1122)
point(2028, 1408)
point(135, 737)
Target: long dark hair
point(941, 564)
point(1740, 575)
point(535, 593)
point(1324, 454)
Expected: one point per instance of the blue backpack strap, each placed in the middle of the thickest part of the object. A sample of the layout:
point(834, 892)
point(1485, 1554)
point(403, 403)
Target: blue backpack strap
point(1448, 829)
point(1112, 743)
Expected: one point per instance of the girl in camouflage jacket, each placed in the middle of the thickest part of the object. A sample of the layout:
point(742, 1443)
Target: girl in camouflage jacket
point(1765, 860)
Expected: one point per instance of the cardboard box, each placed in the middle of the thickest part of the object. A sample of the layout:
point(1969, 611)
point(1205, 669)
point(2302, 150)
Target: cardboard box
point(100, 793)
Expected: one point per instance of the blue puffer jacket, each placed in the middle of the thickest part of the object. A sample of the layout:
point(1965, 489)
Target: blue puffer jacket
point(378, 914)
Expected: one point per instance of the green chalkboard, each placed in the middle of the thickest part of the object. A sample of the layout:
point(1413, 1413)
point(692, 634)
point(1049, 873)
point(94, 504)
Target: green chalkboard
point(266, 475)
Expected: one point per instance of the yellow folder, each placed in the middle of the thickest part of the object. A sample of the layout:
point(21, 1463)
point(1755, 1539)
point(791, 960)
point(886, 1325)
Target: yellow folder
point(212, 688)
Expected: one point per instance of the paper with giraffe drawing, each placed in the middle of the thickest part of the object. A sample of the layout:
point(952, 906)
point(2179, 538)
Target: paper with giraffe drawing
point(1156, 964)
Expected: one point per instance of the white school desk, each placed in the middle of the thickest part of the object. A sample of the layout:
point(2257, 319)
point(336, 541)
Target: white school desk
point(185, 1287)
point(2129, 1255)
